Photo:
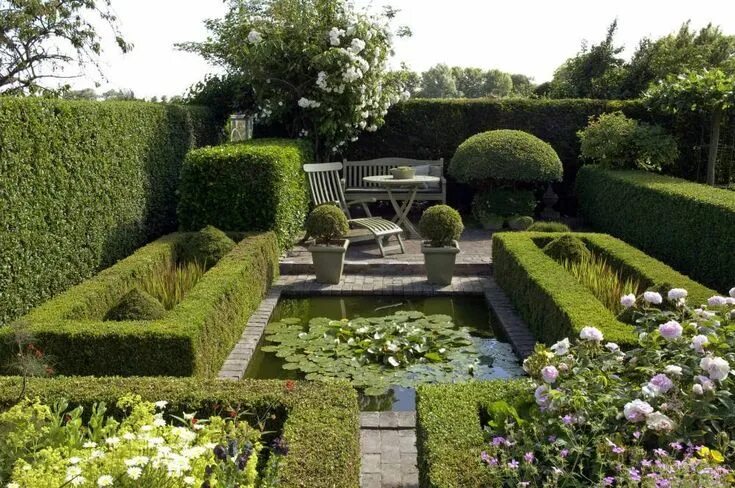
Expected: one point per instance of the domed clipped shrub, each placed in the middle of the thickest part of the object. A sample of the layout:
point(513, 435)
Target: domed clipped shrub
point(567, 248)
point(327, 222)
point(503, 156)
point(440, 225)
point(206, 247)
point(137, 305)
point(549, 227)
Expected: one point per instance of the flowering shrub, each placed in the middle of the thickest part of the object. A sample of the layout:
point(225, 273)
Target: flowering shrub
point(53, 446)
point(658, 415)
point(320, 67)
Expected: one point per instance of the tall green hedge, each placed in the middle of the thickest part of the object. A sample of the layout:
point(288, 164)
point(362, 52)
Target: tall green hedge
point(192, 339)
point(82, 184)
point(449, 436)
point(687, 225)
point(321, 425)
point(430, 129)
point(554, 303)
point(254, 186)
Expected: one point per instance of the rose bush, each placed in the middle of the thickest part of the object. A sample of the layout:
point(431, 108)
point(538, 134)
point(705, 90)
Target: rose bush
point(659, 415)
point(53, 446)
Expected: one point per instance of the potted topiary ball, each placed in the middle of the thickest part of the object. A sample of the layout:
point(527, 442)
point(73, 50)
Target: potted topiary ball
point(440, 226)
point(327, 225)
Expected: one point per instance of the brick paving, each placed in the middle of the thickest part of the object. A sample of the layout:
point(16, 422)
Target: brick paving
point(387, 439)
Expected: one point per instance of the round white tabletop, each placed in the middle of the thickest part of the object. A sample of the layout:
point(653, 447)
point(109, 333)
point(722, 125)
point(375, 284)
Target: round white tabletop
point(389, 181)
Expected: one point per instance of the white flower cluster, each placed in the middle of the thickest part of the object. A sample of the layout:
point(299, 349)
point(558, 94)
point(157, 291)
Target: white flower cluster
point(306, 103)
point(335, 35)
point(255, 37)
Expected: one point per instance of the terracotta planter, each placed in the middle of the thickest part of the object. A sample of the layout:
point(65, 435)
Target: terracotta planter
point(439, 262)
point(329, 261)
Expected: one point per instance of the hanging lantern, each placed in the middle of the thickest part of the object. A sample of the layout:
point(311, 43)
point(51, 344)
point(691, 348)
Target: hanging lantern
point(241, 127)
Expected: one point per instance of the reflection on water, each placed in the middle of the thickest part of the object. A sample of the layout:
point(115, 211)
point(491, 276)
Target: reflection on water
point(497, 360)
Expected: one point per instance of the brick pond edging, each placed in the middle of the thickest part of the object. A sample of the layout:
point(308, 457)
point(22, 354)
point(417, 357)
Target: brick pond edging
point(512, 326)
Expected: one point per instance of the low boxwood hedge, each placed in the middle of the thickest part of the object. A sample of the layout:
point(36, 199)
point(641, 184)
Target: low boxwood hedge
point(554, 304)
point(321, 424)
point(192, 339)
point(254, 186)
point(449, 436)
point(688, 225)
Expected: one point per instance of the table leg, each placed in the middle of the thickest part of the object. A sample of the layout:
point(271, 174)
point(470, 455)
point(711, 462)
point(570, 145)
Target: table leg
point(401, 217)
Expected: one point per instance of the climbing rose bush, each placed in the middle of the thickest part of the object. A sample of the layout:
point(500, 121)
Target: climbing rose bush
point(53, 446)
point(660, 414)
point(319, 67)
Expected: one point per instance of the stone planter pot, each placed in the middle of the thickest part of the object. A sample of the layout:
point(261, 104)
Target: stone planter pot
point(329, 261)
point(439, 262)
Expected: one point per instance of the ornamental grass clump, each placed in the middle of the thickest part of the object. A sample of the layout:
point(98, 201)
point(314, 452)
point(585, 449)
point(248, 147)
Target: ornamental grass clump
point(169, 282)
point(658, 415)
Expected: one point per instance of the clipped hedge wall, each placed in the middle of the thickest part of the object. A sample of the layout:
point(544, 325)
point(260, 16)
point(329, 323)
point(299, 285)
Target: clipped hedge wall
point(554, 304)
point(321, 428)
point(83, 184)
point(253, 186)
point(430, 129)
point(688, 225)
point(449, 436)
point(192, 339)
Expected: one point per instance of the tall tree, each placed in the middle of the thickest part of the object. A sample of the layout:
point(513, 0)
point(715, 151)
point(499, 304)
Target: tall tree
point(470, 82)
point(523, 86)
point(497, 84)
point(438, 82)
point(595, 72)
point(42, 40)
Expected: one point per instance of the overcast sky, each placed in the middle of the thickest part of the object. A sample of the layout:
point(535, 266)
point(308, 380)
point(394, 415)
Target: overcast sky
point(520, 36)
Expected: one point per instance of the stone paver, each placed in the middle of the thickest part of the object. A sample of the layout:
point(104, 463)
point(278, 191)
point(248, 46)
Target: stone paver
point(388, 446)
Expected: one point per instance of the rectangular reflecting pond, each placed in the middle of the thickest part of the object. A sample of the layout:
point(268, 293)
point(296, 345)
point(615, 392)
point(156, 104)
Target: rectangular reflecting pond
point(493, 357)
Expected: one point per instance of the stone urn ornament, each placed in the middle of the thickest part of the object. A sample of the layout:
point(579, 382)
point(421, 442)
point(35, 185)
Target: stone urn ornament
point(550, 199)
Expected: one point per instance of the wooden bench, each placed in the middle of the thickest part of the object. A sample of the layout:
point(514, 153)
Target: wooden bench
point(355, 188)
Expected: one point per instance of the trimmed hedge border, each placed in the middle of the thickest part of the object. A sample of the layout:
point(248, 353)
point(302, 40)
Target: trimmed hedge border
point(192, 339)
point(449, 436)
point(688, 225)
point(82, 185)
point(254, 186)
point(554, 304)
point(322, 425)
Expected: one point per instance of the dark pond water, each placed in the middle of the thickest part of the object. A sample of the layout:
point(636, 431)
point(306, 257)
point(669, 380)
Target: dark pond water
point(497, 360)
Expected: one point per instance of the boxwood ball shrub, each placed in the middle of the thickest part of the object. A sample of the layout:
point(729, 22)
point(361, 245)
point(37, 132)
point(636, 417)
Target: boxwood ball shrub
point(567, 248)
point(257, 185)
point(687, 225)
point(549, 227)
point(440, 225)
point(82, 185)
point(326, 223)
point(505, 156)
point(206, 247)
point(136, 305)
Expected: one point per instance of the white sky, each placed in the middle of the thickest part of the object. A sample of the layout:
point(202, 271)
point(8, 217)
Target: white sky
point(520, 36)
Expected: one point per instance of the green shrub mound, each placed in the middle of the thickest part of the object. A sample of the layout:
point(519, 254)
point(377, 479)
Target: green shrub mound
point(567, 248)
point(137, 305)
point(504, 202)
point(192, 339)
point(258, 185)
point(440, 225)
point(687, 225)
point(321, 427)
point(554, 304)
point(521, 222)
point(205, 247)
point(505, 155)
point(326, 223)
point(83, 184)
point(549, 227)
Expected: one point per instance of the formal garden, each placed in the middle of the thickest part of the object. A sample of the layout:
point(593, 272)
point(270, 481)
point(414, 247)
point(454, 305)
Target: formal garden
point(341, 286)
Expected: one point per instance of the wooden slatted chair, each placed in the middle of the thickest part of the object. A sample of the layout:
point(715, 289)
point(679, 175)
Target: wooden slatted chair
point(326, 187)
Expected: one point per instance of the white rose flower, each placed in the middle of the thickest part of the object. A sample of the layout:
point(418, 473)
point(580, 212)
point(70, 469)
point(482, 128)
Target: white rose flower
point(653, 297)
point(549, 374)
point(716, 367)
point(637, 410)
point(255, 37)
point(676, 294)
point(561, 347)
point(659, 422)
point(697, 389)
point(591, 334)
point(698, 343)
point(716, 301)
point(628, 300)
